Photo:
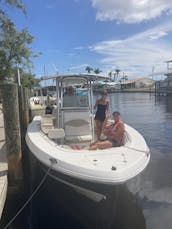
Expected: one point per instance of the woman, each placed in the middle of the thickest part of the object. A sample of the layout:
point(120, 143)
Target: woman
point(102, 113)
point(114, 133)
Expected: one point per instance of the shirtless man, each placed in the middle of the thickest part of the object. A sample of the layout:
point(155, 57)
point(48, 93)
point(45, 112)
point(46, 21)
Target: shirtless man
point(113, 132)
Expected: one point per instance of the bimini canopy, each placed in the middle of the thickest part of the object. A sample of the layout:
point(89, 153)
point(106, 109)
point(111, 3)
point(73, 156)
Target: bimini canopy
point(88, 77)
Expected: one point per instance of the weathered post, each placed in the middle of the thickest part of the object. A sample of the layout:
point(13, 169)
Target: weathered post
point(26, 106)
point(24, 121)
point(10, 104)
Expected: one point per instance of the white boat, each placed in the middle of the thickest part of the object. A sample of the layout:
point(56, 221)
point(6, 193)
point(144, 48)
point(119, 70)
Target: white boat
point(37, 102)
point(61, 142)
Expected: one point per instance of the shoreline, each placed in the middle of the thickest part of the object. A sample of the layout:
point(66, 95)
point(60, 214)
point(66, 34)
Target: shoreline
point(129, 90)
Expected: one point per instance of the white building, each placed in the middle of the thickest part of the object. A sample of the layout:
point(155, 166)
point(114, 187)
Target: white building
point(138, 83)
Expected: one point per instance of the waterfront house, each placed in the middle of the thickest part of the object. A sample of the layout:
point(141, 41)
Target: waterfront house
point(137, 83)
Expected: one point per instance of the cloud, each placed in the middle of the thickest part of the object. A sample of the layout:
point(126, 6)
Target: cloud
point(159, 216)
point(131, 11)
point(150, 186)
point(158, 35)
point(78, 67)
point(137, 53)
point(79, 48)
point(50, 6)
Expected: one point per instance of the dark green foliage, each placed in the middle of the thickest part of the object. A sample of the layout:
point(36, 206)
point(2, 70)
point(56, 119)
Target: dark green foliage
point(97, 71)
point(88, 69)
point(15, 46)
point(28, 80)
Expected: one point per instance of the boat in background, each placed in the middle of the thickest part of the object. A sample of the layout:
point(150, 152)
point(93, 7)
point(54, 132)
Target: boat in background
point(40, 105)
point(60, 142)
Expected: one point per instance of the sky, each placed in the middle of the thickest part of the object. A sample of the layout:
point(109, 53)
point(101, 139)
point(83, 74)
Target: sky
point(134, 36)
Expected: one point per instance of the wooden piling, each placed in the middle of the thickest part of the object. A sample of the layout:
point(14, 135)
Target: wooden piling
point(24, 121)
point(23, 111)
point(26, 106)
point(9, 93)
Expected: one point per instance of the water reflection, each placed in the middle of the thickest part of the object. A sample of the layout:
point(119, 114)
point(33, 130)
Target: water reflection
point(164, 101)
point(65, 207)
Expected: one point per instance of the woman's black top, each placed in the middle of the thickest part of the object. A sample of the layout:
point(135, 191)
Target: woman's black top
point(101, 112)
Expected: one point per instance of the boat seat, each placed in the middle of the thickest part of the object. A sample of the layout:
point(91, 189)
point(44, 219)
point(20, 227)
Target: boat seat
point(46, 124)
point(56, 133)
point(46, 119)
point(77, 125)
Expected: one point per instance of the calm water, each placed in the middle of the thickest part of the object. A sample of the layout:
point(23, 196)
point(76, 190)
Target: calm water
point(151, 116)
point(144, 202)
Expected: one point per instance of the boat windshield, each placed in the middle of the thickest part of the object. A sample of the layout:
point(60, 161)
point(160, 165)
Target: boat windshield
point(75, 92)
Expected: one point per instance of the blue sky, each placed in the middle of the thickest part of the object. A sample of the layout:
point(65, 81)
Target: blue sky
point(131, 35)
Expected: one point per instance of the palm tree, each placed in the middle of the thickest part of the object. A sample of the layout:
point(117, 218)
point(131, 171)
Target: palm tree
point(115, 76)
point(97, 71)
point(110, 75)
point(88, 69)
point(117, 72)
point(125, 77)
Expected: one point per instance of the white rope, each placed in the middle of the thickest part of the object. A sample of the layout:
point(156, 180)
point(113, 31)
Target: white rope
point(32, 195)
point(143, 151)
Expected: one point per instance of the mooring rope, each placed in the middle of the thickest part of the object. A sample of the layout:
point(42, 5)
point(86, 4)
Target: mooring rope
point(53, 161)
point(143, 151)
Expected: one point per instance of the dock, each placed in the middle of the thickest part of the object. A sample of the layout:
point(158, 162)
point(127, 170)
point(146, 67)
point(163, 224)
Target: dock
point(3, 165)
point(164, 87)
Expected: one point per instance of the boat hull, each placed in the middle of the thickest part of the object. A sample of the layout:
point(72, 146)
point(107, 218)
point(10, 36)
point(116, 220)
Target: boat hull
point(93, 191)
point(92, 173)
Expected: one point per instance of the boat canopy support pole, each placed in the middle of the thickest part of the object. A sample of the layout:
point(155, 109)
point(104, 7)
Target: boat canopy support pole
point(58, 103)
point(91, 108)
